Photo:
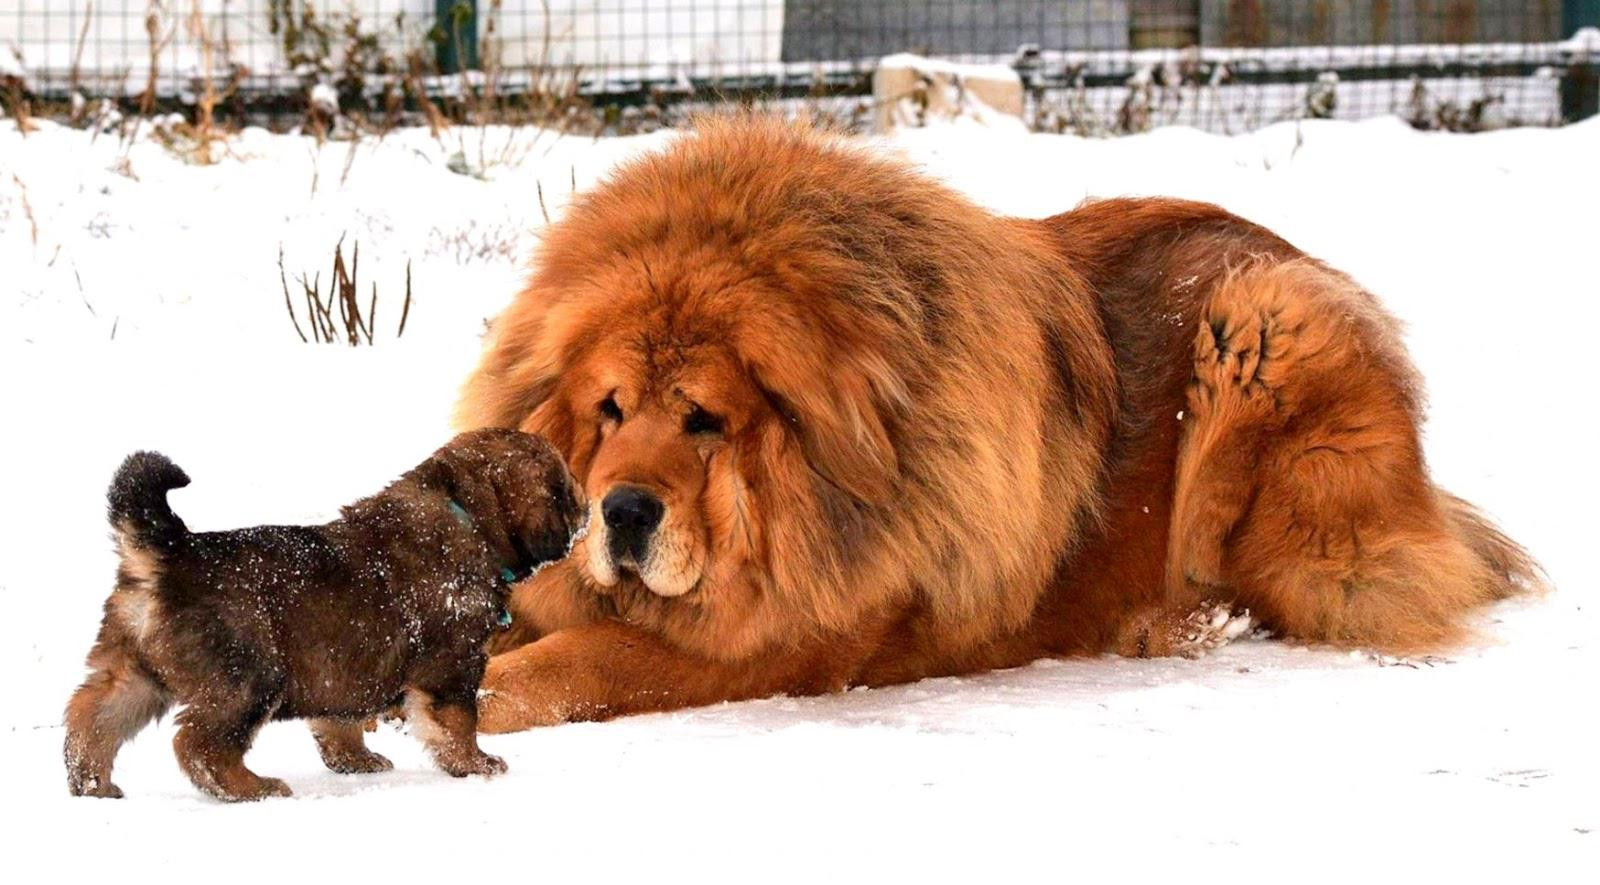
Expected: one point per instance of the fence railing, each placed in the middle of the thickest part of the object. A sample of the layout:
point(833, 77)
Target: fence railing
point(1088, 65)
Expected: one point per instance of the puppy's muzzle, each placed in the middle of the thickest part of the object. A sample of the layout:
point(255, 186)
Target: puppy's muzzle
point(632, 515)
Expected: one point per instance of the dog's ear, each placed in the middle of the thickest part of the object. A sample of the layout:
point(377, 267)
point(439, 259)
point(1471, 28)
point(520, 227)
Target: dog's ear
point(843, 415)
point(511, 381)
point(517, 382)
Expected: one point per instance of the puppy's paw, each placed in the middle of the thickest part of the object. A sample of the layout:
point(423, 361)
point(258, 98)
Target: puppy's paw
point(357, 762)
point(98, 788)
point(273, 787)
point(258, 789)
point(483, 764)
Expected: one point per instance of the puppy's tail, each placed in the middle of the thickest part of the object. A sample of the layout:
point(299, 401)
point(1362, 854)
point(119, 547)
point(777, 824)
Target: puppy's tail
point(137, 501)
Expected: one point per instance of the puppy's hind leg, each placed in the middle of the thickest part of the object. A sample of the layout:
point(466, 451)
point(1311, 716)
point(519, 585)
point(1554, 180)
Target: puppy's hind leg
point(117, 700)
point(344, 748)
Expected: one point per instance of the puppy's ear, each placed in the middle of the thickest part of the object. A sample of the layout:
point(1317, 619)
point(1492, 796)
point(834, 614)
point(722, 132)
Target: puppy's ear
point(462, 477)
point(843, 416)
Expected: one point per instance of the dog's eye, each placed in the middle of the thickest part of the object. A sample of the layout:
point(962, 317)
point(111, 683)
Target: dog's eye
point(701, 421)
point(609, 409)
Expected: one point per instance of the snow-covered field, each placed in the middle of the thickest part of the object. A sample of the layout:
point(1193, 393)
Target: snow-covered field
point(140, 306)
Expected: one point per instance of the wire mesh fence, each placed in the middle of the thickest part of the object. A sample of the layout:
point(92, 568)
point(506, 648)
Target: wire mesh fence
point(1090, 66)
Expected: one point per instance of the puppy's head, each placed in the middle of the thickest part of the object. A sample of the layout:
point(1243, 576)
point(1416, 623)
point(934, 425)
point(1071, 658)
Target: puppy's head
point(517, 490)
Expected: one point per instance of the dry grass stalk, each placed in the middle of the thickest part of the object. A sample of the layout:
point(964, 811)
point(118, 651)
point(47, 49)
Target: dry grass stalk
point(27, 211)
point(205, 130)
point(338, 316)
point(74, 75)
point(159, 36)
point(14, 98)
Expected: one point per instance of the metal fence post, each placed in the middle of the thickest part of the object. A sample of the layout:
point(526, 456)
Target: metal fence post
point(456, 26)
point(1580, 88)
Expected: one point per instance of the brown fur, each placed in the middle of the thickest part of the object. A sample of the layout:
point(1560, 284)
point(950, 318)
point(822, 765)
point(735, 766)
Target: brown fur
point(331, 623)
point(947, 441)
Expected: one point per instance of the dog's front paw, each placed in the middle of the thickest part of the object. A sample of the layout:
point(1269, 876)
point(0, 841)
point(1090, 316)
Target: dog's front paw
point(501, 712)
point(517, 695)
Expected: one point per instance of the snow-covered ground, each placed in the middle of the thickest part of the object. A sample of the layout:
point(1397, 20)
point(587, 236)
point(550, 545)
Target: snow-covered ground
point(1260, 761)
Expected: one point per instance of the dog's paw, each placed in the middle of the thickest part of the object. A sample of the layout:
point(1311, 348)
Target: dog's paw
point(1211, 627)
point(1238, 354)
point(506, 703)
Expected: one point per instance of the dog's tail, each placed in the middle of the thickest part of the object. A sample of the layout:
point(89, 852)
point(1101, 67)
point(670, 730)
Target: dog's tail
point(1508, 569)
point(137, 501)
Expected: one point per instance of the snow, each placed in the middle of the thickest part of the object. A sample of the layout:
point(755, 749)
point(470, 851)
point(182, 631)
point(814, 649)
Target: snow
point(11, 65)
point(996, 73)
point(1257, 758)
point(911, 90)
point(1583, 40)
point(325, 99)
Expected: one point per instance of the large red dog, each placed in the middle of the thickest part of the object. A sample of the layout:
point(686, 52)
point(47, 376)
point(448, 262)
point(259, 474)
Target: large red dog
point(838, 426)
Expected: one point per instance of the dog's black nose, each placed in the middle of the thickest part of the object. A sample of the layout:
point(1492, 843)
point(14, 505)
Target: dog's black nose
point(631, 515)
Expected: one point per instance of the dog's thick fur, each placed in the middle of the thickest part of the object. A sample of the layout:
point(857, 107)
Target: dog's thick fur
point(897, 436)
point(391, 603)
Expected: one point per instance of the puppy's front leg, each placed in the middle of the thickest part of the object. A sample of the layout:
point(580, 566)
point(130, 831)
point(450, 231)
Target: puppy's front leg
point(214, 733)
point(343, 746)
point(444, 715)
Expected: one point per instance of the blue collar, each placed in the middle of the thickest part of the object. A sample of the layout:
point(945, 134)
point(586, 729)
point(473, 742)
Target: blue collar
point(465, 518)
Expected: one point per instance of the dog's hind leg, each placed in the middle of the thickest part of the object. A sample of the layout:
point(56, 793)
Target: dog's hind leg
point(117, 700)
point(213, 734)
point(343, 746)
point(1230, 413)
point(1302, 490)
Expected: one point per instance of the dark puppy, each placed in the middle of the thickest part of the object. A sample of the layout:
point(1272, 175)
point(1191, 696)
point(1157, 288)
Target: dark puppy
point(389, 604)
